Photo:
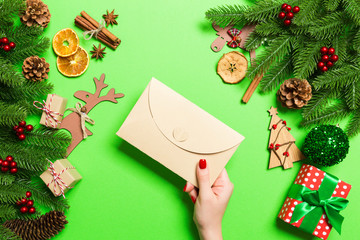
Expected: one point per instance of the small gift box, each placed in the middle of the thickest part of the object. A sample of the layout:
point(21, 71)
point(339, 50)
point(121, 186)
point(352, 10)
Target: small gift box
point(53, 108)
point(60, 177)
point(314, 202)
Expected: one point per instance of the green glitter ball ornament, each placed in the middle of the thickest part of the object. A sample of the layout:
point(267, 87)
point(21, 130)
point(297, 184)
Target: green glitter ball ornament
point(326, 145)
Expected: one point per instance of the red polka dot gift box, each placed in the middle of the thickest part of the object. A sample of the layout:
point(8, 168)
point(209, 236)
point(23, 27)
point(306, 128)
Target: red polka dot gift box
point(314, 202)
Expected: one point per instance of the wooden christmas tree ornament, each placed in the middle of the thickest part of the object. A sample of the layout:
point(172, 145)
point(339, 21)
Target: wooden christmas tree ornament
point(283, 151)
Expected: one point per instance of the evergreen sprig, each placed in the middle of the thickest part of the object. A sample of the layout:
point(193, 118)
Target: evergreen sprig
point(295, 51)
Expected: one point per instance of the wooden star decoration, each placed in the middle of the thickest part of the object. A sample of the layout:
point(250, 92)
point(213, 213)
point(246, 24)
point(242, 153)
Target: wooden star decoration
point(110, 18)
point(273, 111)
point(98, 53)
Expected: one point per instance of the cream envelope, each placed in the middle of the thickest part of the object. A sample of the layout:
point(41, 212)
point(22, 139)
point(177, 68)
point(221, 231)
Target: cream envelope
point(177, 133)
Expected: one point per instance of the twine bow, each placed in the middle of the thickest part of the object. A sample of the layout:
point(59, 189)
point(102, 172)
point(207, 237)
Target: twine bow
point(95, 31)
point(83, 117)
point(235, 41)
point(49, 113)
point(57, 179)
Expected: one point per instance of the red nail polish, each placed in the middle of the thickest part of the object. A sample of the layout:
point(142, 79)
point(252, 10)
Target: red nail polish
point(185, 187)
point(193, 199)
point(202, 164)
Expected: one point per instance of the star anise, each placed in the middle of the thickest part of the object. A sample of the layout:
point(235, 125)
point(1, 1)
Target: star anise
point(98, 52)
point(110, 18)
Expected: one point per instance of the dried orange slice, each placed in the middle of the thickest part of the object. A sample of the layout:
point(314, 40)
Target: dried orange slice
point(74, 65)
point(65, 42)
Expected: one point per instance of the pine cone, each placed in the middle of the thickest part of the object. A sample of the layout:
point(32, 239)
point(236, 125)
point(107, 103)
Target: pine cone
point(35, 68)
point(44, 227)
point(294, 93)
point(36, 12)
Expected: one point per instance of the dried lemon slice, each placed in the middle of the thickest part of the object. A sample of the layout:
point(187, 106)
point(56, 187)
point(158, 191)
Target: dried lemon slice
point(74, 65)
point(232, 67)
point(65, 42)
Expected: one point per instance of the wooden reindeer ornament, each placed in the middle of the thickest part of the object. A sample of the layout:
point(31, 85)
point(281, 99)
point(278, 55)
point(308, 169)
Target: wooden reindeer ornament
point(72, 122)
point(283, 151)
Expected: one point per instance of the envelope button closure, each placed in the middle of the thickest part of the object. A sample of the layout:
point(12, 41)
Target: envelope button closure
point(180, 134)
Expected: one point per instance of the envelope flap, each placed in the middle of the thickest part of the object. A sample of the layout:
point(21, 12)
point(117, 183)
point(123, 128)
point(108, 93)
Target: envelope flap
point(187, 125)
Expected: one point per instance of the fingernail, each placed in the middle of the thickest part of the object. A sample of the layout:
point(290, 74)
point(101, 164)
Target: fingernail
point(202, 164)
point(193, 199)
point(185, 187)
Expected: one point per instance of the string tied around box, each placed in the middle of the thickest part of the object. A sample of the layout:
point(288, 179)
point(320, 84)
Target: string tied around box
point(57, 179)
point(81, 111)
point(49, 113)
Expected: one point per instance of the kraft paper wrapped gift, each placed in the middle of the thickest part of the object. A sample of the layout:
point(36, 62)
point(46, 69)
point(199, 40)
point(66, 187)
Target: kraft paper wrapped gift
point(60, 177)
point(56, 105)
point(177, 133)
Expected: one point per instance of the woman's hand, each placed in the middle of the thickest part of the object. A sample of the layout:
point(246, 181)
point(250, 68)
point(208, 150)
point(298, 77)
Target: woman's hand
point(210, 202)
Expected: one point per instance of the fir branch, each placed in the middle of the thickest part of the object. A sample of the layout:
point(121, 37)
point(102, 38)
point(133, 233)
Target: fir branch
point(275, 52)
point(352, 9)
point(7, 234)
point(270, 27)
point(253, 41)
point(352, 94)
point(9, 9)
point(6, 178)
point(7, 211)
point(45, 137)
point(11, 114)
point(263, 11)
point(332, 114)
point(308, 13)
point(336, 78)
point(306, 59)
point(340, 43)
point(276, 74)
point(328, 26)
point(331, 5)
point(318, 102)
point(225, 15)
point(9, 76)
point(29, 90)
point(356, 41)
point(353, 128)
point(23, 33)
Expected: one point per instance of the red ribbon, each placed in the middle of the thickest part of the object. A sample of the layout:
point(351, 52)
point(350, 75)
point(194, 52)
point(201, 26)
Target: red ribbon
point(234, 33)
point(49, 113)
point(57, 179)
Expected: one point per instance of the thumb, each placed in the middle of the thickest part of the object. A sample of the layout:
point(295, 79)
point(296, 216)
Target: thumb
point(202, 173)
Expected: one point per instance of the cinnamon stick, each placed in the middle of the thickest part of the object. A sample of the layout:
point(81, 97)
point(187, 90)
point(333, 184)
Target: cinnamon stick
point(249, 92)
point(104, 30)
point(86, 26)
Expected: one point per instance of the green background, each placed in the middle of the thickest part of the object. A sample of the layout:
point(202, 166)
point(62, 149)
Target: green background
point(125, 194)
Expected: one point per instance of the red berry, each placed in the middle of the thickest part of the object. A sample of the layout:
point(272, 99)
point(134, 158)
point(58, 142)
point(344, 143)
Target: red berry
point(334, 58)
point(4, 169)
point(7, 48)
point(287, 22)
point(32, 210)
point(1, 161)
point(15, 127)
point(13, 164)
point(12, 45)
point(289, 15)
point(320, 64)
point(324, 50)
point(282, 15)
point(29, 128)
point(22, 137)
point(288, 8)
point(23, 201)
point(324, 69)
point(18, 203)
point(296, 9)
point(329, 64)
point(331, 51)
point(30, 203)
point(5, 40)
point(22, 124)
point(325, 58)
point(24, 209)
point(28, 194)
point(13, 170)
point(5, 163)
point(9, 158)
point(20, 130)
point(283, 6)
